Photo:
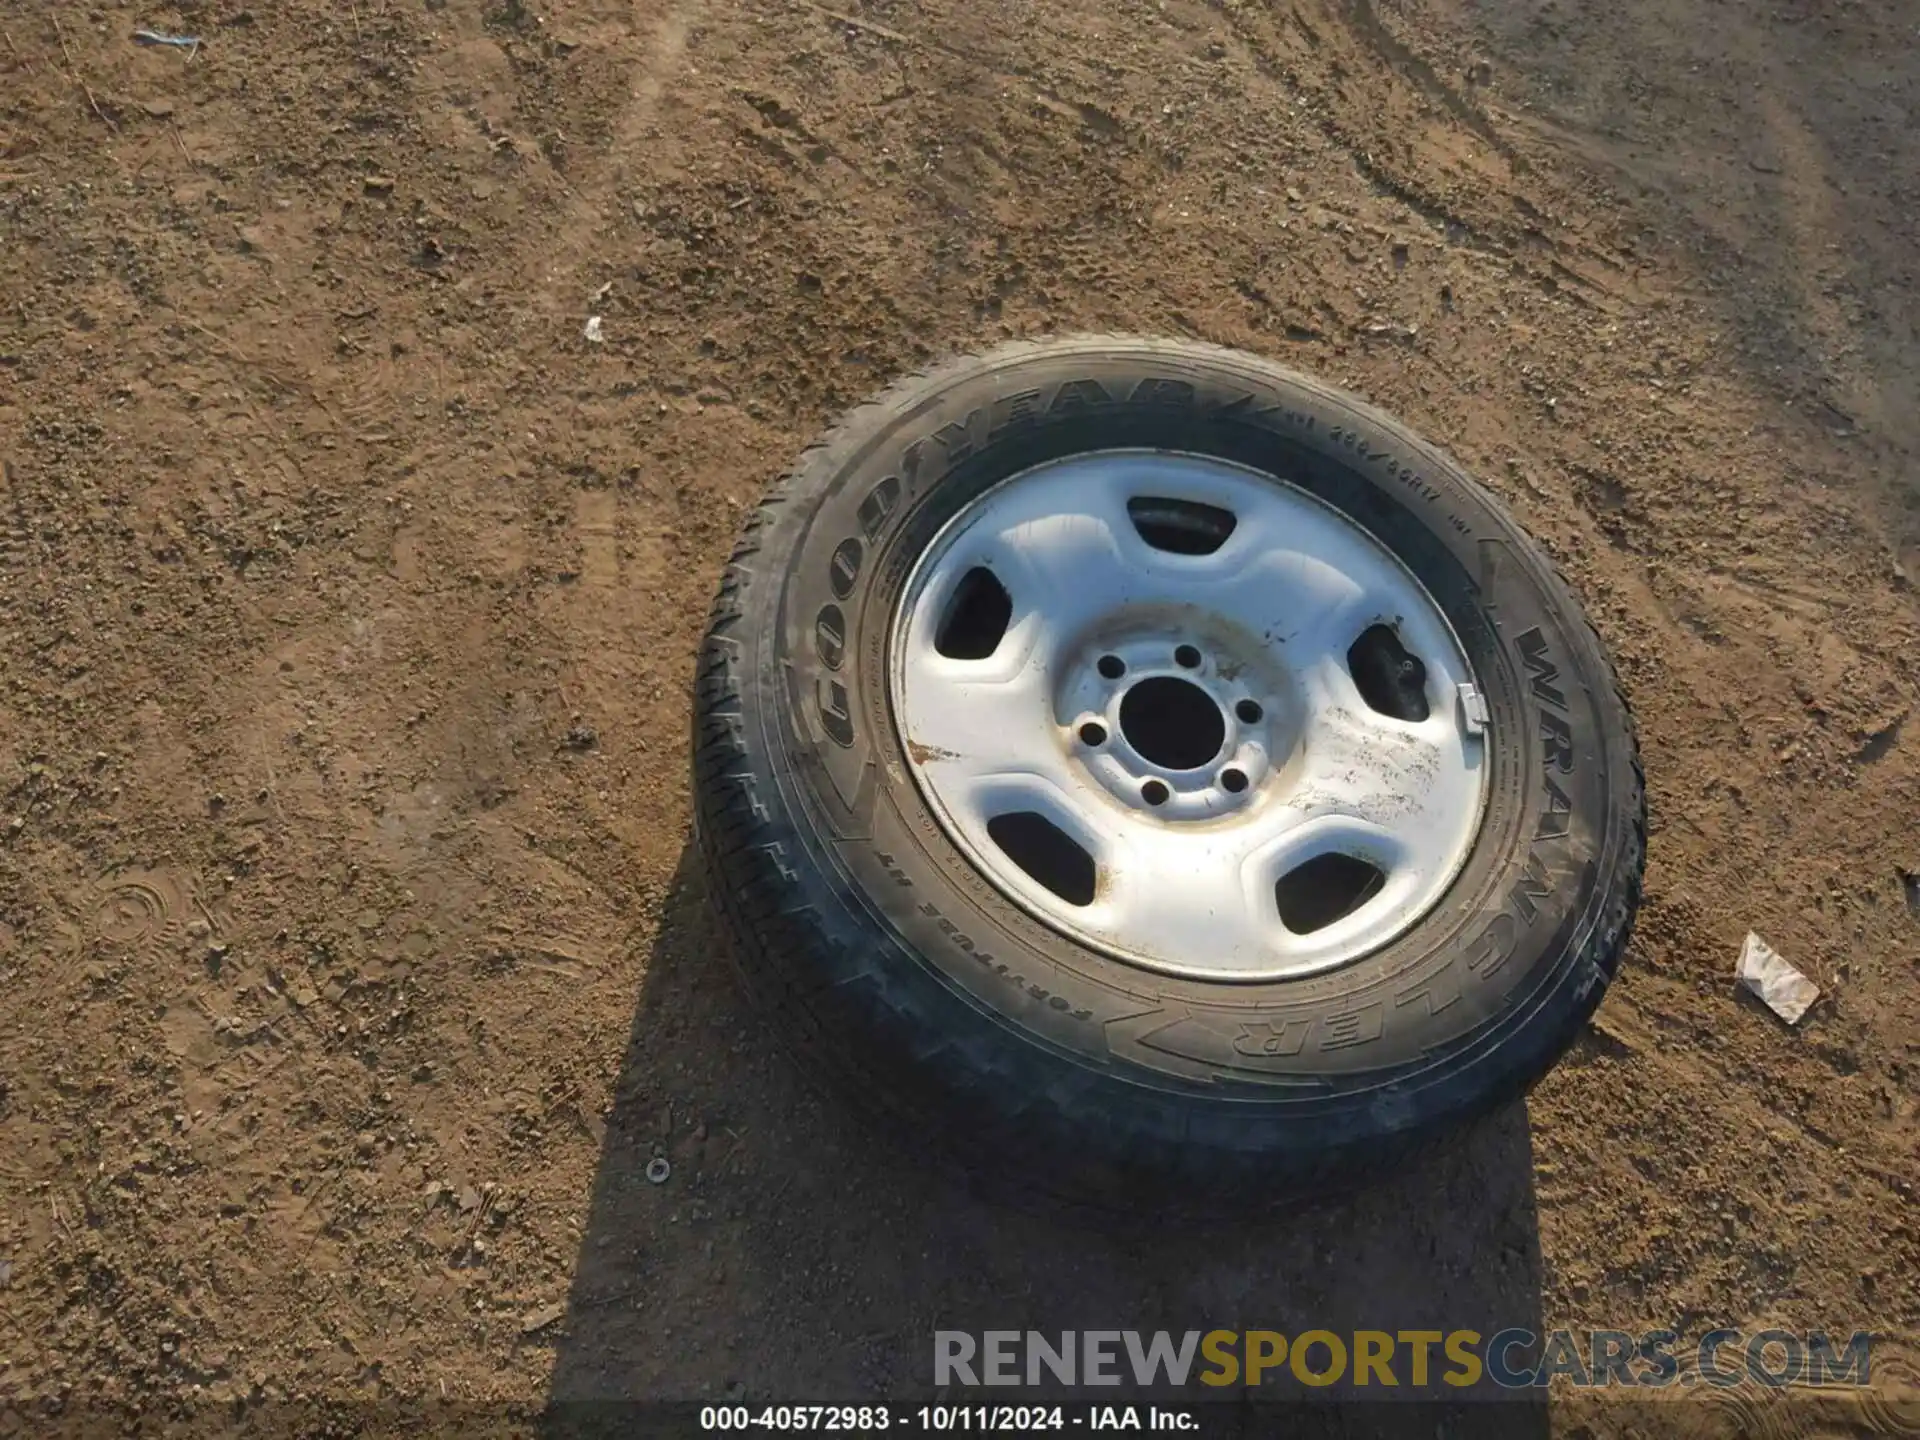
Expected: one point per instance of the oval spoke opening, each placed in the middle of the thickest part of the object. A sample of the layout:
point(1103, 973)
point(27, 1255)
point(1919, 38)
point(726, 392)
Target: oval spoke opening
point(1390, 677)
point(1330, 887)
point(1180, 527)
point(1052, 858)
point(976, 617)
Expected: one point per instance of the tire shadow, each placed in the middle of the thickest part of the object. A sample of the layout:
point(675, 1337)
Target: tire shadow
point(789, 1257)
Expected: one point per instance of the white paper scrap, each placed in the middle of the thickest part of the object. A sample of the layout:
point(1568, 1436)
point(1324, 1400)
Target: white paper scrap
point(1783, 989)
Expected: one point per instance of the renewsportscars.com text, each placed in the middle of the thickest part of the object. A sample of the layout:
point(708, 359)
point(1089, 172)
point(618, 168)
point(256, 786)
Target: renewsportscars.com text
point(1512, 1359)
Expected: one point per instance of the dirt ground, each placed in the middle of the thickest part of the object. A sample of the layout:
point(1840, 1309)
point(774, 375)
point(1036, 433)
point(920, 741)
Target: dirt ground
point(353, 965)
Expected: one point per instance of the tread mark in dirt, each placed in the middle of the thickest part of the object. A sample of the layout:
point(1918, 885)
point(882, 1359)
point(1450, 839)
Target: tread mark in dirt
point(663, 53)
point(596, 513)
point(1366, 22)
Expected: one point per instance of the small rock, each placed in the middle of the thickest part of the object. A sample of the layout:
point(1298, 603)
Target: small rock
point(469, 1198)
point(378, 184)
point(593, 331)
point(538, 1320)
point(158, 109)
point(365, 1143)
point(582, 737)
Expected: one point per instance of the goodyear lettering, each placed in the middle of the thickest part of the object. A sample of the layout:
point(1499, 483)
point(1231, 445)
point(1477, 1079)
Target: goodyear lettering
point(836, 713)
point(878, 505)
point(844, 568)
point(957, 438)
point(1077, 395)
point(830, 636)
point(1162, 392)
point(1011, 410)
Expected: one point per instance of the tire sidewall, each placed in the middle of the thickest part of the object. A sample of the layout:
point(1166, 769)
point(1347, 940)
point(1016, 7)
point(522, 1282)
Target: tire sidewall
point(1508, 941)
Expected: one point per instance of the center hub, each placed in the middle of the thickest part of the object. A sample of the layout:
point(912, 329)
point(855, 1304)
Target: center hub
point(1172, 722)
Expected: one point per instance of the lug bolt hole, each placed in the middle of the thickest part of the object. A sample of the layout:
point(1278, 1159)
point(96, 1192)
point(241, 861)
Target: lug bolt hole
point(1233, 780)
point(1093, 733)
point(1112, 666)
point(1154, 792)
point(1249, 712)
point(1187, 657)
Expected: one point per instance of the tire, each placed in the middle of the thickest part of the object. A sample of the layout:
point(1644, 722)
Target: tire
point(1029, 1057)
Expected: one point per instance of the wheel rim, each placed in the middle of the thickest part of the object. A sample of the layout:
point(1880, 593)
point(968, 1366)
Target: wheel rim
point(1142, 692)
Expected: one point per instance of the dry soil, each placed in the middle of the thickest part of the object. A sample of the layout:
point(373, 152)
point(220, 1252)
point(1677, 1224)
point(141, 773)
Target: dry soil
point(353, 967)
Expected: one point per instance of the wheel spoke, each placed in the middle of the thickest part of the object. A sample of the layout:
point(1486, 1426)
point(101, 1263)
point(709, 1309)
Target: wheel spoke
point(1210, 897)
point(1403, 780)
point(982, 718)
point(1064, 564)
point(1189, 893)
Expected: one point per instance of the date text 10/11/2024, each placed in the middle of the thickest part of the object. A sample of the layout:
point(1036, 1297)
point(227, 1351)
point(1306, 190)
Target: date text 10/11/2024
point(944, 1419)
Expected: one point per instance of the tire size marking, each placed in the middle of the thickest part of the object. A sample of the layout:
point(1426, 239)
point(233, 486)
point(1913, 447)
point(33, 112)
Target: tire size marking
point(1398, 470)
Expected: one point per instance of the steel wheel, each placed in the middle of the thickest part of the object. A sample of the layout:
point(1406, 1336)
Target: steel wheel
point(1159, 740)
